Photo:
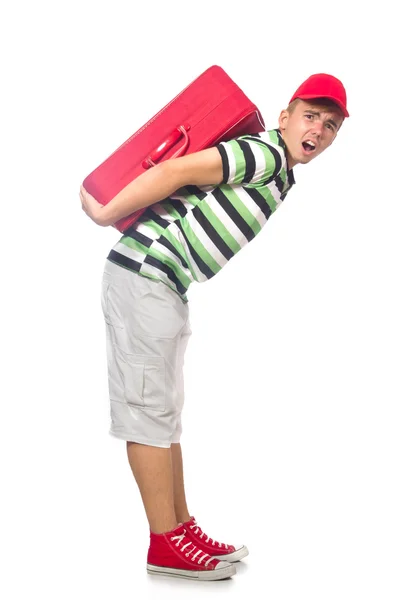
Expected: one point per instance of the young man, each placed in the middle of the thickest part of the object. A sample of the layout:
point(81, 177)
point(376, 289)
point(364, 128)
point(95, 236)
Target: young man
point(202, 209)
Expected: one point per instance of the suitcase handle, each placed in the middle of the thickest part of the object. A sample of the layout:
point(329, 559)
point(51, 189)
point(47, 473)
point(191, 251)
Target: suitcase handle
point(171, 140)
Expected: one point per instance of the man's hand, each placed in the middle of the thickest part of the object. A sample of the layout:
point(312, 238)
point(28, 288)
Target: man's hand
point(92, 207)
point(199, 168)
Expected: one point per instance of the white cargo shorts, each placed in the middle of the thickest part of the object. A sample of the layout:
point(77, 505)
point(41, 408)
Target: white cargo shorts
point(147, 330)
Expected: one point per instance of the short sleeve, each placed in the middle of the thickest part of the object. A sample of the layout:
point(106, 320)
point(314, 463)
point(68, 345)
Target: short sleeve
point(249, 161)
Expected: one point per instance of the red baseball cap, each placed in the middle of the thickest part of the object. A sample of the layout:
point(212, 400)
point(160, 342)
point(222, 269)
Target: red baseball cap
point(322, 85)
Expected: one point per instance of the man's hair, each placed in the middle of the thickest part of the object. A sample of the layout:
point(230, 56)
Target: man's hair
point(319, 101)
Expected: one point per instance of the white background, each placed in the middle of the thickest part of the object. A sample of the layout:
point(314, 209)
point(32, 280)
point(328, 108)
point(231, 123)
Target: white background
point(290, 439)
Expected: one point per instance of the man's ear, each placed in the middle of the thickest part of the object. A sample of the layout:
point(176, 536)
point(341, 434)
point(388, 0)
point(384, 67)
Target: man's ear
point(283, 119)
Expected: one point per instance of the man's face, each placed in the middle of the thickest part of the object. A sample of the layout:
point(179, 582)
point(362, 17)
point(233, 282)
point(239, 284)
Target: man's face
point(308, 131)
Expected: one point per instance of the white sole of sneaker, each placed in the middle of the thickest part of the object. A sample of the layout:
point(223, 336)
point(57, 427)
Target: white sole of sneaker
point(216, 574)
point(234, 556)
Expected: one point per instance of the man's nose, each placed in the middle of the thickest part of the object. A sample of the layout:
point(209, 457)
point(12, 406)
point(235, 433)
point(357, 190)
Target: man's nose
point(318, 127)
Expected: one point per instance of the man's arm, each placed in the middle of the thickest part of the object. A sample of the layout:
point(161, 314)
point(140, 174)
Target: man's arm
point(199, 168)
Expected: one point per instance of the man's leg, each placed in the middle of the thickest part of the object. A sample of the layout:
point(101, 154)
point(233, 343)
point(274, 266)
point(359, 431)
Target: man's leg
point(153, 472)
point(200, 539)
point(180, 506)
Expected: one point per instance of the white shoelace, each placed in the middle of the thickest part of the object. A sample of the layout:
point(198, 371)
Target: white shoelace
point(208, 540)
point(180, 538)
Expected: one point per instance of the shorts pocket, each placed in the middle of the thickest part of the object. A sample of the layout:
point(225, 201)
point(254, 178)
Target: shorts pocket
point(154, 383)
point(142, 379)
point(133, 383)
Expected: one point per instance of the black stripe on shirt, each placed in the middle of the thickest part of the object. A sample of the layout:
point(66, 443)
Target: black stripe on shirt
point(178, 206)
point(162, 240)
point(212, 233)
point(291, 178)
point(279, 183)
point(233, 213)
point(260, 201)
point(120, 259)
point(194, 190)
point(280, 139)
point(278, 164)
point(225, 164)
point(139, 237)
point(276, 155)
point(154, 262)
point(204, 268)
point(249, 158)
point(150, 214)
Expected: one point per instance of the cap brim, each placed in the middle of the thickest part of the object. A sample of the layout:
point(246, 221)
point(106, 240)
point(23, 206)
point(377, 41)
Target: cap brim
point(337, 102)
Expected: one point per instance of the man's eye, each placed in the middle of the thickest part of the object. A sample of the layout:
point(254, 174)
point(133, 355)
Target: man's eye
point(309, 116)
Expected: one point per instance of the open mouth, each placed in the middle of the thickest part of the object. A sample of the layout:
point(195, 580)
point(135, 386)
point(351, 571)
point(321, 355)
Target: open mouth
point(308, 147)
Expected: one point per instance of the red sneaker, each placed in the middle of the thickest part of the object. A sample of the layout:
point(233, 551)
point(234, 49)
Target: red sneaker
point(215, 549)
point(173, 553)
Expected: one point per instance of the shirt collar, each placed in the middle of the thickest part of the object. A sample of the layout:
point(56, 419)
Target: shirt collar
point(290, 172)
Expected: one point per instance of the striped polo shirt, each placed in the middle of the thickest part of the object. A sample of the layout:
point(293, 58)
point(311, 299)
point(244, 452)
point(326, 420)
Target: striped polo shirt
point(193, 233)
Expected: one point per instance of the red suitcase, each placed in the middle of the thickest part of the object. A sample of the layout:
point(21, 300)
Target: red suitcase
point(209, 110)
